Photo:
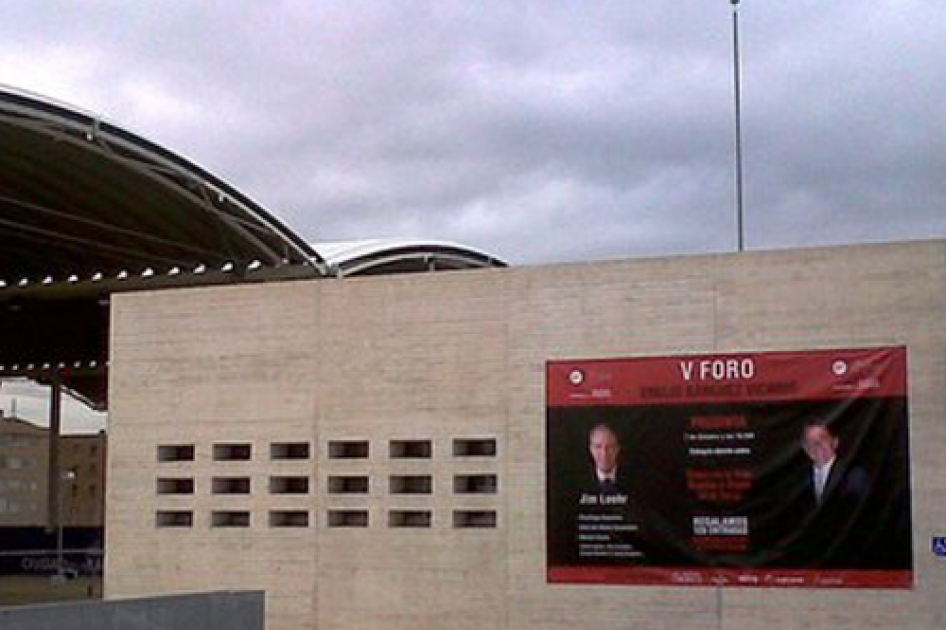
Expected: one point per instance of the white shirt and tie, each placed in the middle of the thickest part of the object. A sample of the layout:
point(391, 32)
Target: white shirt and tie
point(607, 482)
point(820, 476)
point(610, 477)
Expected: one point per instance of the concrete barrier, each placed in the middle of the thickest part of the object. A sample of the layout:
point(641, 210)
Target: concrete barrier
point(233, 610)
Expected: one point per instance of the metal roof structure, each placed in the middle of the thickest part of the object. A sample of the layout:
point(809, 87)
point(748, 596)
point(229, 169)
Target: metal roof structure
point(88, 209)
point(386, 256)
point(81, 196)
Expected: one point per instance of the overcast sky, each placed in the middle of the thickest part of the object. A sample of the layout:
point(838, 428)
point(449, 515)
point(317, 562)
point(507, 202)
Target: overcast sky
point(537, 131)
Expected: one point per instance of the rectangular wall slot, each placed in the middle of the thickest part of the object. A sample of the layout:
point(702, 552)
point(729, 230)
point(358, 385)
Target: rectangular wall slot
point(409, 518)
point(474, 518)
point(289, 450)
point(288, 518)
point(348, 484)
point(174, 518)
point(231, 485)
point(230, 519)
point(175, 486)
point(176, 453)
point(348, 449)
point(348, 518)
point(411, 484)
point(474, 447)
point(232, 452)
point(475, 484)
point(411, 449)
point(288, 485)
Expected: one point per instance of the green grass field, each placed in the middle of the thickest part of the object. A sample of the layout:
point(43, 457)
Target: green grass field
point(16, 590)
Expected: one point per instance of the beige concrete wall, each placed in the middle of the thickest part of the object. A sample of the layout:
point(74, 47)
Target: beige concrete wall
point(455, 355)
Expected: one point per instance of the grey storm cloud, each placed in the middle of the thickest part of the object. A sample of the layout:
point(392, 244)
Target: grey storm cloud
point(538, 131)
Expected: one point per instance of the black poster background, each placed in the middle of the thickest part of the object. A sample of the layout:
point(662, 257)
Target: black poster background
point(784, 529)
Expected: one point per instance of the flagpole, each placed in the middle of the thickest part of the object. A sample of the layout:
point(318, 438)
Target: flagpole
point(737, 95)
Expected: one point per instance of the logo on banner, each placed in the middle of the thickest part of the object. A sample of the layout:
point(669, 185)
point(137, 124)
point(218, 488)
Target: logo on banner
point(938, 545)
point(839, 368)
point(576, 377)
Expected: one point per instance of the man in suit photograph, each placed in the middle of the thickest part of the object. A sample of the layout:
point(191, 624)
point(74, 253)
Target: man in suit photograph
point(830, 529)
point(831, 481)
point(607, 525)
point(605, 450)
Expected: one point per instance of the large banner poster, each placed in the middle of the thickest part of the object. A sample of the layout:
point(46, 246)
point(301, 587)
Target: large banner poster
point(760, 469)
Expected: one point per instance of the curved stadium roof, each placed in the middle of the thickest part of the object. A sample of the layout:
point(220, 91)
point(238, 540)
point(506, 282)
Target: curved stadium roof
point(81, 196)
point(385, 256)
point(88, 208)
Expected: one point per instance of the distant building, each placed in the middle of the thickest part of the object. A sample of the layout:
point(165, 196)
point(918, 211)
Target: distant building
point(24, 471)
point(83, 496)
point(24, 461)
